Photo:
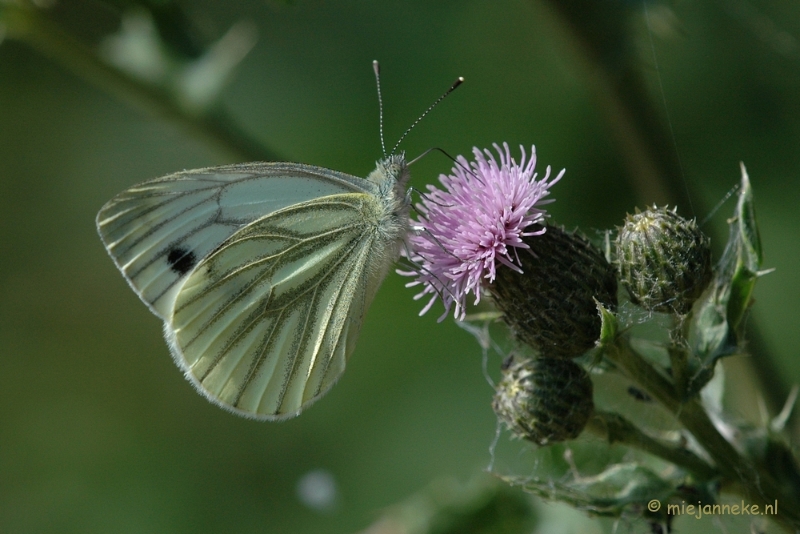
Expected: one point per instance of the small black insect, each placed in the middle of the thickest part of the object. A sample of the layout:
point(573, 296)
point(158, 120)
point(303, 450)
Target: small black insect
point(639, 395)
point(181, 260)
point(660, 527)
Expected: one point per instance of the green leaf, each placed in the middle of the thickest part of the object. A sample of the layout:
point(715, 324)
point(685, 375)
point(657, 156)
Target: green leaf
point(748, 254)
point(609, 327)
point(719, 317)
point(482, 506)
point(620, 489)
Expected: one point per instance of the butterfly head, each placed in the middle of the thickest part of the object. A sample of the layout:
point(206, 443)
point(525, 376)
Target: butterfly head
point(391, 171)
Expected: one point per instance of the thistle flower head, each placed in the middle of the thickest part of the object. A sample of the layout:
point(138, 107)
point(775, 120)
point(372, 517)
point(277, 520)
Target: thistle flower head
point(552, 306)
point(476, 222)
point(664, 260)
point(545, 400)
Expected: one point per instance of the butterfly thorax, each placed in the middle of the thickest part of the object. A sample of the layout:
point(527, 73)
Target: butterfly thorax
point(391, 175)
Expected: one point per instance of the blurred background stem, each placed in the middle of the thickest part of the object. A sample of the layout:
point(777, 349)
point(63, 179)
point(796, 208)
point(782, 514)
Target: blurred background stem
point(599, 34)
point(213, 126)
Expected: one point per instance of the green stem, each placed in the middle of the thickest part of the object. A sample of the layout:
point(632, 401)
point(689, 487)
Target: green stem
point(615, 428)
point(34, 28)
point(757, 485)
point(678, 355)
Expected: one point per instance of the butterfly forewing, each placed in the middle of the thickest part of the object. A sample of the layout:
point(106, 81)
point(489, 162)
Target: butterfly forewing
point(157, 232)
point(264, 324)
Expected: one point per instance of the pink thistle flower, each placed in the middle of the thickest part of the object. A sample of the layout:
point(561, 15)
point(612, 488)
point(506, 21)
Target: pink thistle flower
point(478, 221)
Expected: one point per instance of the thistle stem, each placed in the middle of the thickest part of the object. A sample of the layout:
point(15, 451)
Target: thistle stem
point(678, 356)
point(757, 485)
point(615, 428)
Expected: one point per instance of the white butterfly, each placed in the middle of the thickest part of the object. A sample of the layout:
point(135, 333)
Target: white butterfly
point(261, 272)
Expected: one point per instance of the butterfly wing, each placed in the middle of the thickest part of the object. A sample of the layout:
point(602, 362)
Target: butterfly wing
point(157, 232)
point(264, 325)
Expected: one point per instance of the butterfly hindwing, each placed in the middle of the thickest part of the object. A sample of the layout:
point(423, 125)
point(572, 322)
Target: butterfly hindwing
point(159, 231)
point(264, 325)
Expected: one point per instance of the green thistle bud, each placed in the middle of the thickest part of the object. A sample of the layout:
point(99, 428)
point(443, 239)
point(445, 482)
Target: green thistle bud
point(546, 400)
point(664, 260)
point(550, 305)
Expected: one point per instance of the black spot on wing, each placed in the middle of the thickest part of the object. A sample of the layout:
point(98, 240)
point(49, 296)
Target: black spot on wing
point(181, 260)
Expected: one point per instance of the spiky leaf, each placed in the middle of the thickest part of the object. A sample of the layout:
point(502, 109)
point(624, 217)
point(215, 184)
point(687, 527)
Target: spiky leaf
point(719, 319)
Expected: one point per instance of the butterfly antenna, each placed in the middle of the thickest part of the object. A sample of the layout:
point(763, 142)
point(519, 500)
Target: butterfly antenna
point(418, 267)
point(451, 158)
point(426, 197)
point(377, 68)
point(435, 240)
point(458, 82)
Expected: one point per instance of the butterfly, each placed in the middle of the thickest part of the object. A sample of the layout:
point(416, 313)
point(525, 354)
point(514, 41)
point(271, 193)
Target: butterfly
point(261, 272)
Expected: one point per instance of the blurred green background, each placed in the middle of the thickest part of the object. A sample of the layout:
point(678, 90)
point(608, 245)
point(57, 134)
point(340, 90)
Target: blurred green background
point(99, 431)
